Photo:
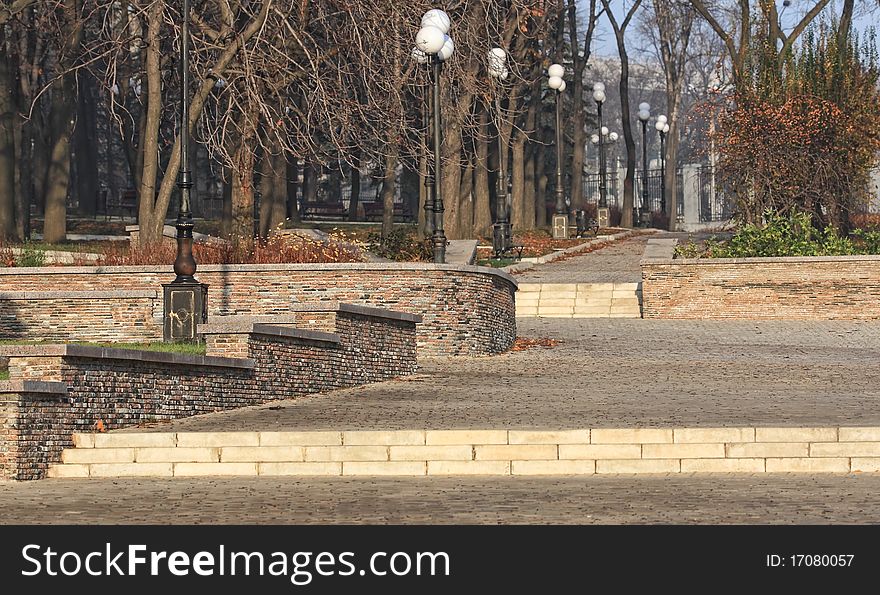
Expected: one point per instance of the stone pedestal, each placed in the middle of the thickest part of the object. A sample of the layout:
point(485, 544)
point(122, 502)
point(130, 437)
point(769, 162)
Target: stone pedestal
point(560, 227)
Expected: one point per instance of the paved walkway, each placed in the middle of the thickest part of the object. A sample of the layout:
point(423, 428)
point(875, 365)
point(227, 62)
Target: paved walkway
point(616, 263)
point(785, 498)
point(616, 373)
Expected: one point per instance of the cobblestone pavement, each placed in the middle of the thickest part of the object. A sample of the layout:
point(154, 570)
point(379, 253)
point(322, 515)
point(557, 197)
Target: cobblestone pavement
point(613, 373)
point(616, 263)
point(800, 499)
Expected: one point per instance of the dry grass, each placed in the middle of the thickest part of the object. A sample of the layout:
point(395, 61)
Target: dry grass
point(275, 250)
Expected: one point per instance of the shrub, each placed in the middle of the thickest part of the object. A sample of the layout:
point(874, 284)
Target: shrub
point(791, 234)
point(278, 249)
point(400, 245)
point(30, 257)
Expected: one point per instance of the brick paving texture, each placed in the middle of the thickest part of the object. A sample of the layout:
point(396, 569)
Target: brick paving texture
point(613, 373)
point(783, 499)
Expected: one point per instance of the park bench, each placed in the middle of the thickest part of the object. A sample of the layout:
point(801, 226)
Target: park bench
point(583, 225)
point(373, 211)
point(313, 210)
point(122, 204)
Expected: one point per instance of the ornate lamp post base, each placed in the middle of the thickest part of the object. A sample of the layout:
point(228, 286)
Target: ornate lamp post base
point(186, 305)
point(603, 216)
point(560, 227)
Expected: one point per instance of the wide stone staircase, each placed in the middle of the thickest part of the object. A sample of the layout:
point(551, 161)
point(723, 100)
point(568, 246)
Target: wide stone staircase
point(579, 300)
point(472, 452)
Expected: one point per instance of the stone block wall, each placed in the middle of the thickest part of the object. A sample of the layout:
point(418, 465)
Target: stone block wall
point(56, 390)
point(799, 288)
point(466, 310)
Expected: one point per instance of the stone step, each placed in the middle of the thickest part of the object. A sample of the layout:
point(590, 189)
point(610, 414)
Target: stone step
point(579, 300)
point(473, 452)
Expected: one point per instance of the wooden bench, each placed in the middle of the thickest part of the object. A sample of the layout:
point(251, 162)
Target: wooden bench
point(123, 204)
point(374, 210)
point(313, 210)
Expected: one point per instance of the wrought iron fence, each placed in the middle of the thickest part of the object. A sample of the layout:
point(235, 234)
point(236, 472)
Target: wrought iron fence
point(715, 204)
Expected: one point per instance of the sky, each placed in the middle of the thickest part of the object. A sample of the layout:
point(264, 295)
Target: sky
point(605, 45)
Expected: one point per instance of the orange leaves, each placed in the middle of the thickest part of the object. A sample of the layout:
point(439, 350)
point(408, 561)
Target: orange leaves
point(523, 343)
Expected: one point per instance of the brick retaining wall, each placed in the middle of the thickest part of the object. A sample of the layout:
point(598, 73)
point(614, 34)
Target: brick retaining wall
point(466, 310)
point(802, 288)
point(56, 390)
point(81, 315)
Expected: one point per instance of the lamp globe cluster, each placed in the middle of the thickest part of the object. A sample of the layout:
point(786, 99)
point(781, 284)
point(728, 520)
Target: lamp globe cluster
point(556, 82)
point(661, 124)
point(498, 64)
point(433, 37)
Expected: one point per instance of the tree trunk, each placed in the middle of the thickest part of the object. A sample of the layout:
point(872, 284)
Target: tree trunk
point(273, 192)
point(482, 208)
point(528, 159)
point(148, 145)
point(7, 146)
point(40, 160)
point(388, 187)
point(85, 138)
point(226, 223)
point(626, 215)
point(540, 186)
point(355, 196)
point(25, 194)
point(451, 180)
point(292, 189)
point(58, 179)
point(242, 229)
point(517, 186)
point(423, 191)
point(466, 200)
point(310, 183)
point(409, 188)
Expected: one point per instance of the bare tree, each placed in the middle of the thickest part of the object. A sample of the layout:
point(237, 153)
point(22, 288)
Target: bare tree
point(742, 24)
point(626, 218)
point(580, 56)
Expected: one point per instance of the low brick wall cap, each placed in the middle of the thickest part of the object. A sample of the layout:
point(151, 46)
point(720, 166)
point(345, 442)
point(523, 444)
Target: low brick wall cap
point(334, 306)
point(295, 333)
point(763, 259)
point(221, 268)
point(242, 323)
point(74, 295)
point(33, 387)
point(89, 351)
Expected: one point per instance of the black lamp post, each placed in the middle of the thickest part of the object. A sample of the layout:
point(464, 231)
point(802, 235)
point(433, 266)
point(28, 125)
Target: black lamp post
point(560, 214)
point(501, 232)
point(602, 140)
point(437, 47)
point(662, 127)
point(602, 211)
point(644, 214)
point(185, 299)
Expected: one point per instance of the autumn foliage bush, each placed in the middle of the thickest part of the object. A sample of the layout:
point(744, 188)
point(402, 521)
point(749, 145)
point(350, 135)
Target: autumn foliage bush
point(804, 142)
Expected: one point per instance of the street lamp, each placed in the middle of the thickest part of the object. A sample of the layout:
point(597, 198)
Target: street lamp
point(560, 216)
point(185, 299)
point(662, 127)
point(644, 218)
point(501, 233)
point(433, 41)
point(602, 211)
